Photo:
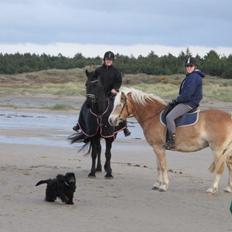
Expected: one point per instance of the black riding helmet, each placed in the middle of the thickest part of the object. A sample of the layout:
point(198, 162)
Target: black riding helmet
point(109, 55)
point(190, 61)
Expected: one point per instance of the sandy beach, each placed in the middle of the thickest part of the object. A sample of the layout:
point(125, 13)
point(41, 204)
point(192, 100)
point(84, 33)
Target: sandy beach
point(34, 151)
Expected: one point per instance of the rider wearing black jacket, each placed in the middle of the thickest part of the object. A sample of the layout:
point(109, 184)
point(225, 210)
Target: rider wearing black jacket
point(111, 79)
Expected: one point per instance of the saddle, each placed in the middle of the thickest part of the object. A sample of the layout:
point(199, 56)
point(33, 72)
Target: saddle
point(188, 119)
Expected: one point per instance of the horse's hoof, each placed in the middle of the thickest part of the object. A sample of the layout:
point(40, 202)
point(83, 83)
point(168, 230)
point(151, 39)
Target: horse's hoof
point(163, 188)
point(228, 189)
point(109, 176)
point(156, 187)
point(91, 175)
point(212, 190)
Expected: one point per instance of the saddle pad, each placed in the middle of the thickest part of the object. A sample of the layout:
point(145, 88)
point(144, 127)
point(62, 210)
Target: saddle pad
point(90, 123)
point(187, 119)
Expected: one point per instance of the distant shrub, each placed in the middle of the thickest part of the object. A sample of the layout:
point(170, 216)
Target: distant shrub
point(227, 74)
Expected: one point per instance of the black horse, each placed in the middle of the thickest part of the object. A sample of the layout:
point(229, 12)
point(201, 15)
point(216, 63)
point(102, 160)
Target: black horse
point(93, 121)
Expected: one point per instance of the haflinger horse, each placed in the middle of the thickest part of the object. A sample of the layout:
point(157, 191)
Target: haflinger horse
point(213, 129)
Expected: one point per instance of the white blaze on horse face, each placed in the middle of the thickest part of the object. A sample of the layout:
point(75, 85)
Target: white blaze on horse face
point(114, 119)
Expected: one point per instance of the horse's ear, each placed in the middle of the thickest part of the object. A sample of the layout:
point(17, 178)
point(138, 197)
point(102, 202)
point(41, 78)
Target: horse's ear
point(87, 72)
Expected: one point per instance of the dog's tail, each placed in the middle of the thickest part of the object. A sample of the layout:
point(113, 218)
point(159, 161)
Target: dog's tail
point(42, 182)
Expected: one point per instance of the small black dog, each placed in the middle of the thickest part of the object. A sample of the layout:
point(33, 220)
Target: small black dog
point(63, 186)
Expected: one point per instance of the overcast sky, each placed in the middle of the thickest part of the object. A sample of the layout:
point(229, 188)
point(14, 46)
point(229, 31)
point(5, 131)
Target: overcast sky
point(124, 26)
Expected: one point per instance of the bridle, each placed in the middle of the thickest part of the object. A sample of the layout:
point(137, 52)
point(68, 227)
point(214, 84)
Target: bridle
point(92, 97)
point(125, 105)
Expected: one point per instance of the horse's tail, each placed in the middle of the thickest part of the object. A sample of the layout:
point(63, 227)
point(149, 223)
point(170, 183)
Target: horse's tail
point(218, 165)
point(79, 137)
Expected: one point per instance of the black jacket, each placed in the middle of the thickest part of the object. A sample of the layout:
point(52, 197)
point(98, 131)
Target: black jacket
point(110, 77)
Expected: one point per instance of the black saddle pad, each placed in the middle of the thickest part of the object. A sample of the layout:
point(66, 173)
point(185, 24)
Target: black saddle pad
point(90, 123)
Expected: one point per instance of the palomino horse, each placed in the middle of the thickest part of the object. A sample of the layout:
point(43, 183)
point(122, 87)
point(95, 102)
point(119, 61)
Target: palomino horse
point(213, 129)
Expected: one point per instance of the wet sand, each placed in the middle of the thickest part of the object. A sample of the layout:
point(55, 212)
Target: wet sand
point(124, 203)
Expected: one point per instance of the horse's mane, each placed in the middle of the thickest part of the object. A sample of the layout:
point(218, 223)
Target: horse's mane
point(142, 97)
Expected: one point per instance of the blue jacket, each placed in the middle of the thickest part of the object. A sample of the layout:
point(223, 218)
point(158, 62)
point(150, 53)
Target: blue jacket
point(190, 92)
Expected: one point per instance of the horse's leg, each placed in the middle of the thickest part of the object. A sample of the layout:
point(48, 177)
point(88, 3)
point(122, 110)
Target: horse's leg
point(229, 165)
point(94, 155)
point(159, 176)
point(99, 167)
point(107, 165)
point(216, 181)
point(218, 173)
point(162, 179)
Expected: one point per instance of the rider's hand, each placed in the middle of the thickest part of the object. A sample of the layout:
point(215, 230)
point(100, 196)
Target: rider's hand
point(114, 91)
point(173, 103)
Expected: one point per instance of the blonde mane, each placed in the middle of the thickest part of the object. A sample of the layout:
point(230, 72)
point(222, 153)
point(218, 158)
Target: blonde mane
point(142, 97)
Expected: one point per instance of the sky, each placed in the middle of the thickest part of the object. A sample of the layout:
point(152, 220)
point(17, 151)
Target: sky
point(126, 27)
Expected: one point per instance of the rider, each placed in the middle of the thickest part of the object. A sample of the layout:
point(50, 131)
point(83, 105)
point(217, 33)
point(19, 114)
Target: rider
point(190, 95)
point(111, 79)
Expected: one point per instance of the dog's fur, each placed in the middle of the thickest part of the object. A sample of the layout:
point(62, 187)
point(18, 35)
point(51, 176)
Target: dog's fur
point(63, 187)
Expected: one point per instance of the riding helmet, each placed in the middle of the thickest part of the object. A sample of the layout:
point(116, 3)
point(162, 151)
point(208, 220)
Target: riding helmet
point(190, 61)
point(109, 55)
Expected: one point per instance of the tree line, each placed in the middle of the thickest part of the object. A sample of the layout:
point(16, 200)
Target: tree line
point(211, 63)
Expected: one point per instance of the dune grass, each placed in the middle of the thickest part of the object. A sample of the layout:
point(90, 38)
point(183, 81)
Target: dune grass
point(72, 83)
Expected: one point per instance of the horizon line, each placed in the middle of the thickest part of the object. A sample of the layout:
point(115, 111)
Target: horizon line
point(94, 50)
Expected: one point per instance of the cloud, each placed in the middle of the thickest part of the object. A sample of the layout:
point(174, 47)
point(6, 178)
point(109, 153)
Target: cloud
point(169, 22)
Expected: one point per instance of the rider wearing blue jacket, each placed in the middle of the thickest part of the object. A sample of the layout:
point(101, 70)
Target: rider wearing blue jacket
point(190, 95)
point(190, 92)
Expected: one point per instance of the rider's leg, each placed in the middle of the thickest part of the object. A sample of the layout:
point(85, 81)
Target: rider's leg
point(77, 126)
point(175, 113)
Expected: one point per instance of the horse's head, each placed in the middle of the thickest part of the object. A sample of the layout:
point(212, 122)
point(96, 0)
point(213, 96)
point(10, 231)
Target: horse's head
point(122, 109)
point(95, 94)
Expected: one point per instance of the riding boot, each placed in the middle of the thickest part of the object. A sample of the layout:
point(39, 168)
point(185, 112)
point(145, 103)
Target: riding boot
point(126, 132)
point(170, 142)
point(76, 127)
